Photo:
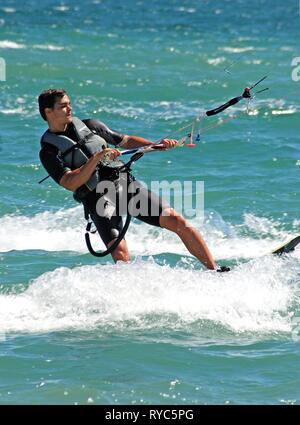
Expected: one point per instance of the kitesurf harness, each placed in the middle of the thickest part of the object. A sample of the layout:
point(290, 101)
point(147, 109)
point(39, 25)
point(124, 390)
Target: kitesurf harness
point(126, 168)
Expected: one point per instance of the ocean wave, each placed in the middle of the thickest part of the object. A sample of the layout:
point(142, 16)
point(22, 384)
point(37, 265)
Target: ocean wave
point(12, 111)
point(53, 231)
point(7, 44)
point(284, 112)
point(48, 231)
point(216, 61)
point(254, 298)
point(62, 8)
point(48, 47)
point(8, 9)
point(237, 49)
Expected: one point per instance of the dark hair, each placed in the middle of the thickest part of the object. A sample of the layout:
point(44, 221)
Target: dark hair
point(48, 98)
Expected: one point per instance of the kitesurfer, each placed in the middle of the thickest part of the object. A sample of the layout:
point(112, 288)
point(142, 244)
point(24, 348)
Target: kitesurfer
point(74, 153)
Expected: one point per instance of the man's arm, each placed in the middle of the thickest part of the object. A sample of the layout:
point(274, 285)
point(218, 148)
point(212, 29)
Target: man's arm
point(131, 142)
point(72, 180)
point(122, 141)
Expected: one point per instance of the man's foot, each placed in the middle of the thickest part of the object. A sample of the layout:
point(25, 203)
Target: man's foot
point(223, 269)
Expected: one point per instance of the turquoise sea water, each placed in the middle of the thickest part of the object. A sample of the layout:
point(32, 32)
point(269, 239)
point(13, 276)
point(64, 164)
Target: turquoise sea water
point(160, 330)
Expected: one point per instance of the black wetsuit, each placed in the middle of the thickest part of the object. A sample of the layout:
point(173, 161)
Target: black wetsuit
point(108, 228)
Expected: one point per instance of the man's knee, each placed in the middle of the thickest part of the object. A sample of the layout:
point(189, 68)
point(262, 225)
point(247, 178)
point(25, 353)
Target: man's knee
point(172, 220)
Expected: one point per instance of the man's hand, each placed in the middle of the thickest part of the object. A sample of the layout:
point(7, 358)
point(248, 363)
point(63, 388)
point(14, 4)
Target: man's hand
point(72, 180)
point(107, 154)
point(168, 143)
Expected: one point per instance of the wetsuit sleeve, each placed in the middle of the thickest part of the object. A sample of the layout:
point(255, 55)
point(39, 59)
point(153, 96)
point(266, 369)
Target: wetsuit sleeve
point(110, 136)
point(52, 162)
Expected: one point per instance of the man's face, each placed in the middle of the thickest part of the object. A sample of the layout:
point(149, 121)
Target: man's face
point(61, 113)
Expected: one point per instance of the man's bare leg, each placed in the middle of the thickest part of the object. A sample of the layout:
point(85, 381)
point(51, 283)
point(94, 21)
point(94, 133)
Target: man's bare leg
point(120, 253)
point(173, 221)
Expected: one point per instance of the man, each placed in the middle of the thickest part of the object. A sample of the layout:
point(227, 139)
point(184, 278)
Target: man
point(73, 150)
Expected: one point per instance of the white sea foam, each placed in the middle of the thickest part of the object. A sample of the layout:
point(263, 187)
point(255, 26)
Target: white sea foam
point(255, 297)
point(61, 230)
point(186, 9)
point(237, 49)
point(7, 44)
point(61, 8)
point(48, 47)
point(284, 112)
point(8, 9)
point(64, 231)
point(12, 111)
point(216, 61)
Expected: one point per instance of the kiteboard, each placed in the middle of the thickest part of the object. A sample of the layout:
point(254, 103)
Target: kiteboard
point(287, 247)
